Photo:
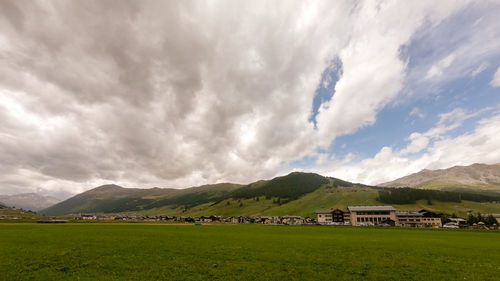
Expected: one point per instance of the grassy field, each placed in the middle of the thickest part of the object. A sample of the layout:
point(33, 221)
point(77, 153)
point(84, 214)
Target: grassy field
point(244, 252)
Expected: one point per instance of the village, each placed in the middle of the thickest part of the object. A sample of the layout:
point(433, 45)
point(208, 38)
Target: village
point(352, 216)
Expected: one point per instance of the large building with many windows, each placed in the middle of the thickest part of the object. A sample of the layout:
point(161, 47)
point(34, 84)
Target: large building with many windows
point(378, 215)
point(420, 218)
point(372, 215)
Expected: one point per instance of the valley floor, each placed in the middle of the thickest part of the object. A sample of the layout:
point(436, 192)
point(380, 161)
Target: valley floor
point(130, 251)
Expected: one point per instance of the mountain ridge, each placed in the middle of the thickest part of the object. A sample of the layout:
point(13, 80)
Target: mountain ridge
point(28, 201)
point(474, 177)
point(295, 193)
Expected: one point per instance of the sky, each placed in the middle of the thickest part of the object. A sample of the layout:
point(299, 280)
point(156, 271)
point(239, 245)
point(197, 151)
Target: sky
point(184, 93)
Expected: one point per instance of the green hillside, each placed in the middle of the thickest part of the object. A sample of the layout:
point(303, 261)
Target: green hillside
point(293, 194)
point(461, 187)
point(115, 199)
point(323, 198)
point(10, 213)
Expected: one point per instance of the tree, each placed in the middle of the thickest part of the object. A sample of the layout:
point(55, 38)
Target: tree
point(490, 220)
point(479, 217)
point(471, 219)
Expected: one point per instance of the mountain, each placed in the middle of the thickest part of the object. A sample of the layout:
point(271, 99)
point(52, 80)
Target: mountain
point(28, 201)
point(294, 194)
point(114, 198)
point(476, 177)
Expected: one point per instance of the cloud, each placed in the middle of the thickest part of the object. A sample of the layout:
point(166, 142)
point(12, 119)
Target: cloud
point(417, 112)
point(373, 68)
point(482, 67)
point(439, 54)
point(440, 67)
point(495, 82)
point(175, 94)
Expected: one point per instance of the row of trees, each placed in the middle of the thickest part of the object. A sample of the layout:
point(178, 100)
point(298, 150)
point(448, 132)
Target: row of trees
point(488, 220)
point(410, 196)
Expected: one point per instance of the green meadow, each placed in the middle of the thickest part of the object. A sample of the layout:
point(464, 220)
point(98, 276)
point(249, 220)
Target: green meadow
point(128, 251)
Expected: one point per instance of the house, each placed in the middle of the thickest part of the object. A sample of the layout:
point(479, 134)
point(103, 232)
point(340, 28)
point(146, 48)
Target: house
point(331, 216)
point(420, 218)
point(324, 216)
point(88, 217)
point(268, 220)
point(372, 215)
point(458, 222)
point(291, 220)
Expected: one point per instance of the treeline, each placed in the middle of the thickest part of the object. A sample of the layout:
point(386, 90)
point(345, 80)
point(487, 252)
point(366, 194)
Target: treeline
point(488, 219)
point(286, 188)
point(339, 182)
point(291, 186)
point(408, 195)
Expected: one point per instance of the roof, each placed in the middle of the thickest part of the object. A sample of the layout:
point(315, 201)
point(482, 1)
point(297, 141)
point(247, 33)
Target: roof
point(370, 208)
point(409, 214)
point(329, 211)
point(494, 215)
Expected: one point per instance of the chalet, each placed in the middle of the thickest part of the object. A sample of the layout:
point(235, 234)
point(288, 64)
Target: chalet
point(455, 223)
point(88, 217)
point(291, 220)
point(372, 215)
point(268, 220)
point(324, 216)
point(331, 216)
point(420, 218)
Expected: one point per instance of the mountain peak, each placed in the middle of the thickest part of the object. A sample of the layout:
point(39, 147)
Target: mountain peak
point(107, 187)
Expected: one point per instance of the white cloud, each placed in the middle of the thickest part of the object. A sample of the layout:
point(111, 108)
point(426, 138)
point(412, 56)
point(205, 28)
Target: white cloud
point(482, 67)
point(417, 112)
point(438, 68)
point(495, 82)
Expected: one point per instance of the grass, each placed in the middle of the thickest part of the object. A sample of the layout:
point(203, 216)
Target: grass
point(244, 252)
point(453, 186)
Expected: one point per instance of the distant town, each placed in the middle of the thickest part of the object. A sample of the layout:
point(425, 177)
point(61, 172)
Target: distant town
point(352, 216)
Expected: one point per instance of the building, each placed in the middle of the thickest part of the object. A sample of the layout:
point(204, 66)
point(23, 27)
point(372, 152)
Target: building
point(372, 215)
point(420, 218)
point(324, 216)
point(292, 220)
point(331, 216)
